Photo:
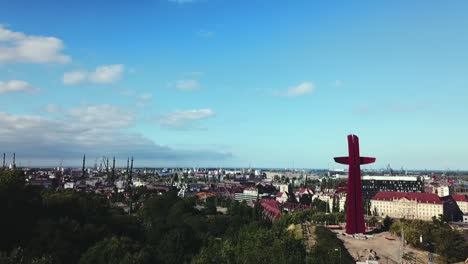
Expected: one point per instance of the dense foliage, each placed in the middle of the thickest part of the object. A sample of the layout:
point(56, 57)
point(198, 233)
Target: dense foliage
point(329, 249)
point(52, 227)
point(254, 243)
point(315, 217)
point(44, 226)
point(436, 236)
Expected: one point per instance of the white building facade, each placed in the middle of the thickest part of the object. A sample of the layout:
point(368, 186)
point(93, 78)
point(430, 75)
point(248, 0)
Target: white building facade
point(462, 202)
point(422, 206)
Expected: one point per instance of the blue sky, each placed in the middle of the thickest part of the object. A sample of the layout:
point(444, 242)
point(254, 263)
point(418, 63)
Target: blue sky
point(233, 83)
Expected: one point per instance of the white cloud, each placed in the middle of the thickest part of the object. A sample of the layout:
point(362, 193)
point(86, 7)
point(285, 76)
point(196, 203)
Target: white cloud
point(299, 90)
point(16, 86)
point(183, 119)
point(74, 77)
point(101, 116)
point(102, 74)
point(107, 74)
point(19, 47)
point(187, 85)
point(92, 129)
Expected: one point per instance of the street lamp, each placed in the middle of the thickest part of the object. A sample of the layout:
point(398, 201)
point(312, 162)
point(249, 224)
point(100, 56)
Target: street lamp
point(339, 249)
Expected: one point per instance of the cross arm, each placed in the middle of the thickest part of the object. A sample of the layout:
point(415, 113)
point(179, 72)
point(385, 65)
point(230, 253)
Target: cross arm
point(367, 160)
point(342, 160)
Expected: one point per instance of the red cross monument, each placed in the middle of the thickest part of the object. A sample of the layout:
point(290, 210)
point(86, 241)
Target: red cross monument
point(354, 201)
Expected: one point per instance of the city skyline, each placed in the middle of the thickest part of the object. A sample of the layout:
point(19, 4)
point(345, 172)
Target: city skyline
point(214, 83)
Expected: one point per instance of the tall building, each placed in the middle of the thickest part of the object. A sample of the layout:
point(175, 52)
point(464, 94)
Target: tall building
point(371, 185)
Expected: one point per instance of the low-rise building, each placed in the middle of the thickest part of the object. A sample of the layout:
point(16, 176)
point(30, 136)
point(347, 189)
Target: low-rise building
point(443, 190)
point(462, 201)
point(460, 187)
point(281, 197)
point(421, 206)
point(69, 185)
point(335, 201)
point(249, 195)
point(282, 187)
point(340, 201)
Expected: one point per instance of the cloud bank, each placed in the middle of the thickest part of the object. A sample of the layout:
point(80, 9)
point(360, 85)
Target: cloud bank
point(92, 129)
point(16, 86)
point(17, 47)
point(185, 119)
point(101, 75)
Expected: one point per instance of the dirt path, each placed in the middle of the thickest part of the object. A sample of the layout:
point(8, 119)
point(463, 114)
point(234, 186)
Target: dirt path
point(308, 232)
point(387, 251)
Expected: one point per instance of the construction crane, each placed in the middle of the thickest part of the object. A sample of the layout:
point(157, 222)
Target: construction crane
point(113, 169)
point(105, 164)
point(389, 169)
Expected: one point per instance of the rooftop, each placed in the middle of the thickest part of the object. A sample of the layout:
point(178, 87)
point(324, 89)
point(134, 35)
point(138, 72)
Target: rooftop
point(390, 178)
point(460, 197)
point(419, 197)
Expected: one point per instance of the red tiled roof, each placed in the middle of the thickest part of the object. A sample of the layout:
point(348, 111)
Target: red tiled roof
point(280, 194)
point(304, 190)
point(460, 197)
point(271, 206)
point(420, 197)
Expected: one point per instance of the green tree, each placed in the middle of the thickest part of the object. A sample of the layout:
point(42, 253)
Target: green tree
point(116, 250)
point(328, 249)
point(387, 222)
point(320, 205)
point(254, 244)
point(373, 221)
point(210, 205)
point(20, 207)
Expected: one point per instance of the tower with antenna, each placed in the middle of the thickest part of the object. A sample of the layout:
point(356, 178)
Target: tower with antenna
point(4, 155)
point(14, 160)
point(129, 179)
point(128, 164)
point(83, 166)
